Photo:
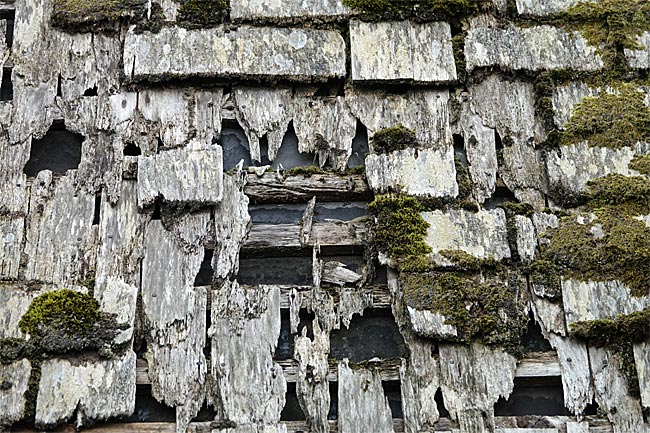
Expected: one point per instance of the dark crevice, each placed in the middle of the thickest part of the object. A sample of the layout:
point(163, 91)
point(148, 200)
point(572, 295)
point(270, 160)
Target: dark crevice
point(532, 396)
point(292, 410)
point(264, 151)
point(440, 403)
point(459, 149)
point(6, 86)
point(288, 155)
point(59, 89)
point(275, 270)
point(59, 151)
point(148, 409)
point(393, 392)
point(132, 149)
point(373, 335)
point(533, 340)
point(10, 16)
point(234, 144)
point(98, 208)
point(155, 215)
point(204, 276)
point(360, 146)
point(92, 91)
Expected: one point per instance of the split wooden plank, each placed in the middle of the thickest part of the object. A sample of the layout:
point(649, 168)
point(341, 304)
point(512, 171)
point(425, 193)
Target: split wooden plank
point(542, 365)
point(596, 425)
point(272, 188)
point(264, 237)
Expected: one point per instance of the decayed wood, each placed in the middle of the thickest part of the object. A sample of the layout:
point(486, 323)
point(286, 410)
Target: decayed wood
point(542, 365)
point(281, 236)
point(596, 425)
point(273, 188)
point(379, 296)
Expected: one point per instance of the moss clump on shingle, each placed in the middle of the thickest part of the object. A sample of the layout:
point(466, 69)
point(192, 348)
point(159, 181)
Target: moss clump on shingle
point(90, 15)
point(610, 120)
point(483, 306)
point(611, 25)
point(620, 334)
point(395, 138)
point(63, 321)
point(194, 14)
point(424, 10)
point(71, 311)
point(609, 242)
point(641, 163)
point(399, 230)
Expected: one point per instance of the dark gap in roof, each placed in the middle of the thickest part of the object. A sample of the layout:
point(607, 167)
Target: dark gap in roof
point(59, 90)
point(264, 151)
point(132, 149)
point(204, 276)
point(6, 86)
point(373, 335)
point(59, 151)
point(98, 208)
point(533, 340)
point(286, 341)
point(393, 391)
point(275, 270)
point(288, 154)
point(92, 91)
point(440, 403)
point(148, 409)
point(292, 410)
point(534, 396)
point(360, 147)
point(10, 16)
point(235, 145)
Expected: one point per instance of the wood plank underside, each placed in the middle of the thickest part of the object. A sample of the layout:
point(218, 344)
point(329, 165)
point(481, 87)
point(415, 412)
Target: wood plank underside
point(542, 365)
point(272, 188)
point(288, 236)
point(445, 425)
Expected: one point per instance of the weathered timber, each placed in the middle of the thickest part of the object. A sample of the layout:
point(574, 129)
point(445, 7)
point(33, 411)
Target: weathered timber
point(273, 188)
point(280, 236)
point(596, 425)
point(541, 365)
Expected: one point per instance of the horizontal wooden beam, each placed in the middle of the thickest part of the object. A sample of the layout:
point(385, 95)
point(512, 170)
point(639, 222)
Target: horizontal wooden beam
point(274, 188)
point(379, 295)
point(445, 425)
point(266, 237)
point(542, 365)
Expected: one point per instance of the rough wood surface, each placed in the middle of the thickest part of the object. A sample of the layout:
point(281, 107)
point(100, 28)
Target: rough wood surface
point(264, 237)
point(249, 387)
point(362, 404)
point(88, 391)
point(274, 188)
point(175, 315)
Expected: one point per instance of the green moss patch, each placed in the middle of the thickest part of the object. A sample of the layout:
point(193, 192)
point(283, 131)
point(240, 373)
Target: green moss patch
point(610, 120)
point(620, 334)
point(614, 245)
point(65, 321)
point(485, 306)
point(611, 25)
point(395, 138)
point(90, 15)
point(641, 163)
point(399, 229)
point(70, 310)
point(422, 10)
point(196, 14)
